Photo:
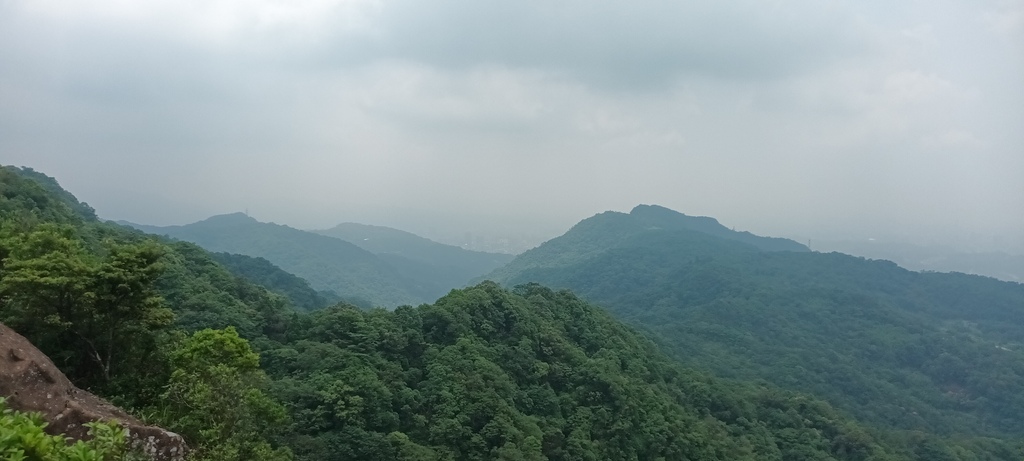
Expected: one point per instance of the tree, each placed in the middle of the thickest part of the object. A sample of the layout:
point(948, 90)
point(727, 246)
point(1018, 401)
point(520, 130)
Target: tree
point(215, 399)
point(91, 314)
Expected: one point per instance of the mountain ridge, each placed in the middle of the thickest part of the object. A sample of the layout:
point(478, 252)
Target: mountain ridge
point(329, 264)
point(580, 242)
point(482, 373)
point(437, 266)
point(349, 259)
point(893, 347)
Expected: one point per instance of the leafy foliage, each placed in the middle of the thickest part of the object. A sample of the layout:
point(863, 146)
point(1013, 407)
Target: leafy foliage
point(28, 198)
point(214, 399)
point(112, 306)
point(483, 373)
point(533, 374)
point(939, 353)
point(104, 312)
point(22, 438)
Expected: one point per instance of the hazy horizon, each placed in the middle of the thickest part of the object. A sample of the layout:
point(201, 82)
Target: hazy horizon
point(472, 235)
point(807, 120)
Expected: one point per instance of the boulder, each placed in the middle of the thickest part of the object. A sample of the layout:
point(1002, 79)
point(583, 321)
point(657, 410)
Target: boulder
point(30, 382)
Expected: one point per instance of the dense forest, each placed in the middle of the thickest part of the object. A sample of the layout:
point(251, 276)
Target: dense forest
point(266, 274)
point(164, 330)
point(941, 353)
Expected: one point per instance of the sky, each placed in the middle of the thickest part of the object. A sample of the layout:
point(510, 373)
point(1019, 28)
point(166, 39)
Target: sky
point(823, 119)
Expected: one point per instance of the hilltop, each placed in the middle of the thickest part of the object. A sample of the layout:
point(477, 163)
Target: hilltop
point(895, 348)
point(327, 263)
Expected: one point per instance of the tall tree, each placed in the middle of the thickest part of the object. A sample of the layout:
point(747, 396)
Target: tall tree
point(215, 399)
point(94, 314)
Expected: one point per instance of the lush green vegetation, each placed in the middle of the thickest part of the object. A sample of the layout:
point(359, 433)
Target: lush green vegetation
point(532, 374)
point(115, 309)
point(940, 353)
point(22, 438)
point(483, 373)
point(215, 399)
point(266, 274)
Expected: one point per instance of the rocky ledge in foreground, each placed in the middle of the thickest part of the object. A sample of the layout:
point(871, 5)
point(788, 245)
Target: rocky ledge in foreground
point(32, 383)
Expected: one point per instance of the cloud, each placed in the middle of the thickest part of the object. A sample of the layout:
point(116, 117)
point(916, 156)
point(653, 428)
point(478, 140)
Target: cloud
point(647, 42)
point(772, 116)
point(613, 44)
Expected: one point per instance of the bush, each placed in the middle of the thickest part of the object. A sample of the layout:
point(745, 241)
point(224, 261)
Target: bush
point(22, 439)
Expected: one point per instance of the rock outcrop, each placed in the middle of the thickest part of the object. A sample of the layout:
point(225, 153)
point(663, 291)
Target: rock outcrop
point(32, 383)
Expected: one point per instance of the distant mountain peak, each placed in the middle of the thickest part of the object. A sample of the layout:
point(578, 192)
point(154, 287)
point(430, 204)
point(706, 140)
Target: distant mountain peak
point(644, 208)
point(656, 216)
point(660, 212)
point(610, 230)
point(230, 218)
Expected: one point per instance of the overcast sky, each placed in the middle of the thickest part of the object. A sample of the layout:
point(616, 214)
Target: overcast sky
point(800, 118)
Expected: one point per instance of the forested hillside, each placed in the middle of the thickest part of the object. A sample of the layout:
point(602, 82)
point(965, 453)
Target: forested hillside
point(597, 234)
point(484, 373)
point(364, 265)
point(941, 353)
point(440, 265)
point(116, 310)
point(264, 273)
point(533, 374)
point(328, 264)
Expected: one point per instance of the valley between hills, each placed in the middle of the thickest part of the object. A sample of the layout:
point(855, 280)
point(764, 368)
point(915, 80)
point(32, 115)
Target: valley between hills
point(644, 335)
